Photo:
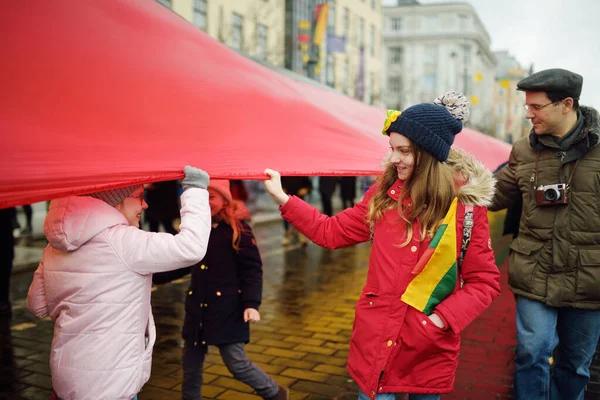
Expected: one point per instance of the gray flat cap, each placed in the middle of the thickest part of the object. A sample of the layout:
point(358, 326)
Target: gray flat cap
point(553, 80)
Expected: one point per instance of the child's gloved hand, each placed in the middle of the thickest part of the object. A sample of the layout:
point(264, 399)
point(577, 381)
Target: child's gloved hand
point(252, 315)
point(194, 178)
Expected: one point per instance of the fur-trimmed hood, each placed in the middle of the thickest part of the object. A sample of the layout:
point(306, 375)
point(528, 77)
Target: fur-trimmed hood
point(479, 182)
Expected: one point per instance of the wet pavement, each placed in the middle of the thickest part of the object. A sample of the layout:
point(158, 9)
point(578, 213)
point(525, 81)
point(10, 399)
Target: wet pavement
point(301, 341)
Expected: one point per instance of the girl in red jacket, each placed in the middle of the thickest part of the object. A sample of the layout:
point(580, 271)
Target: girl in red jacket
point(421, 290)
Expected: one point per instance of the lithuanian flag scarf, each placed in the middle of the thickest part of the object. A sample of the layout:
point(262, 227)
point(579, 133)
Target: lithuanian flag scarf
point(436, 272)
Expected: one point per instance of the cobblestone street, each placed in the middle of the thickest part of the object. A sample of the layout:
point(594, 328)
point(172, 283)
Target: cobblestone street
point(301, 340)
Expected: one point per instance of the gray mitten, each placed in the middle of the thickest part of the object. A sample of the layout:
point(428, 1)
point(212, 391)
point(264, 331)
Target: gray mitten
point(194, 178)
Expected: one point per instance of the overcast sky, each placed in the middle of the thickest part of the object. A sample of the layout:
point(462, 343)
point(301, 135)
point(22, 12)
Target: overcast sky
point(547, 33)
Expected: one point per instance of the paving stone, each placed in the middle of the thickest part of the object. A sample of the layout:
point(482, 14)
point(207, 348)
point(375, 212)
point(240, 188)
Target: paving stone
point(306, 375)
point(276, 343)
point(340, 362)
point(317, 388)
point(231, 383)
point(332, 338)
point(288, 362)
point(297, 355)
point(156, 393)
point(305, 341)
point(331, 370)
point(233, 395)
point(315, 350)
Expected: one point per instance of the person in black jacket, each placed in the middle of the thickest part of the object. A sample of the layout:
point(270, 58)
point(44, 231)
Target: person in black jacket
point(7, 252)
point(224, 296)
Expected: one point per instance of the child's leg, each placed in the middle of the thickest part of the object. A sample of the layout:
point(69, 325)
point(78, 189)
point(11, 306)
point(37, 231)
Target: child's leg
point(193, 359)
point(244, 370)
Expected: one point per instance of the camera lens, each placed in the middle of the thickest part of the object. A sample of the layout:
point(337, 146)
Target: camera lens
point(551, 195)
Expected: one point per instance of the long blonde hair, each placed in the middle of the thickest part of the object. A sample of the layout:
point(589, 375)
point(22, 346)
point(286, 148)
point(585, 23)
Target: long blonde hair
point(431, 189)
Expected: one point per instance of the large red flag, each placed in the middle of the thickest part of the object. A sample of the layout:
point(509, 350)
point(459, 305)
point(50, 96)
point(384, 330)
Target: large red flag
point(99, 94)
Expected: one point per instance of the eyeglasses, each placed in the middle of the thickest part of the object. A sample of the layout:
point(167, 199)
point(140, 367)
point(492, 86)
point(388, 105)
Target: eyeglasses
point(139, 196)
point(536, 107)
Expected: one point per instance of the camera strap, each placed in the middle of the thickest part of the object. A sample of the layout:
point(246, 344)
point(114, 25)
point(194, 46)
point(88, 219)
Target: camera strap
point(467, 231)
point(537, 162)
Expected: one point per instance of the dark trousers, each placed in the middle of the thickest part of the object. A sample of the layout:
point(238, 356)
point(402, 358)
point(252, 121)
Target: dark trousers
point(28, 215)
point(326, 202)
point(167, 223)
point(6, 263)
point(234, 358)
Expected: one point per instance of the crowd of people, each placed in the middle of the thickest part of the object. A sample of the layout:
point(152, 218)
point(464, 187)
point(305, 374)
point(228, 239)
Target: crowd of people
point(431, 270)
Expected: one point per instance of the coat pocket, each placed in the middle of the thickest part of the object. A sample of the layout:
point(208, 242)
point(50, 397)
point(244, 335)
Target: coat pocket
point(425, 347)
point(588, 275)
point(522, 264)
point(367, 329)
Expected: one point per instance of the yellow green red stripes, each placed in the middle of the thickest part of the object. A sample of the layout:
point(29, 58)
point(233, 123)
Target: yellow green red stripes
point(436, 272)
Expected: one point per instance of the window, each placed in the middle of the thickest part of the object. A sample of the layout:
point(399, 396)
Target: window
point(431, 23)
point(346, 23)
point(261, 42)
point(500, 129)
point(466, 53)
point(373, 4)
point(396, 24)
point(361, 32)
point(371, 87)
point(237, 22)
point(395, 84)
point(331, 18)
point(500, 109)
point(430, 66)
point(462, 22)
point(372, 41)
point(346, 77)
point(396, 55)
point(330, 72)
point(516, 109)
point(200, 14)
point(430, 84)
point(166, 3)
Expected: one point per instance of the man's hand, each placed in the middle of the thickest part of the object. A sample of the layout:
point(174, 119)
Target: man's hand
point(437, 321)
point(252, 315)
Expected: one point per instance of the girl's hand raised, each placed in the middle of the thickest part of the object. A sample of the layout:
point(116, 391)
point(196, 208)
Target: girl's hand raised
point(274, 188)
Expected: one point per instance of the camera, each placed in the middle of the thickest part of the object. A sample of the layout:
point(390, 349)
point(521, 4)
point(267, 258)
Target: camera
point(551, 195)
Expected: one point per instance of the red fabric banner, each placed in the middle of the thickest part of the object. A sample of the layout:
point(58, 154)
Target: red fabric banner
point(100, 94)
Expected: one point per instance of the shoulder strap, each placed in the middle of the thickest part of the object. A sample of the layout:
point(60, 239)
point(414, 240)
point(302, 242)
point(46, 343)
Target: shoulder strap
point(467, 230)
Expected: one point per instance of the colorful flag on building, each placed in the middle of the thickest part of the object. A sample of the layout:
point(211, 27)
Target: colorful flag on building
point(321, 24)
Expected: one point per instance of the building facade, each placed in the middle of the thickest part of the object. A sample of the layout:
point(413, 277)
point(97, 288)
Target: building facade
point(255, 27)
point(509, 114)
point(429, 49)
point(280, 33)
point(350, 55)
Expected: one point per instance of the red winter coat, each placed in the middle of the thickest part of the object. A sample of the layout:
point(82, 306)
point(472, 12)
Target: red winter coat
point(394, 348)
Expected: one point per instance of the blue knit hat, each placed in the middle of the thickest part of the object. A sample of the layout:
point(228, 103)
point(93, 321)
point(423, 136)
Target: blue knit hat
point(431, 126)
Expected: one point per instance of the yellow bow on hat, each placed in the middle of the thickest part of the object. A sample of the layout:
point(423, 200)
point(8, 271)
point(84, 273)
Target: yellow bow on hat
point(392, 116)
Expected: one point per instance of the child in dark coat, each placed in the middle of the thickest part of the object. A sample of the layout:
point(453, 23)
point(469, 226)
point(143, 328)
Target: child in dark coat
point(224, 296)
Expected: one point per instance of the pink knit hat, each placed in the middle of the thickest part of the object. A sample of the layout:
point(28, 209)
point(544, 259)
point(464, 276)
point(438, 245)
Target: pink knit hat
point(222, 187)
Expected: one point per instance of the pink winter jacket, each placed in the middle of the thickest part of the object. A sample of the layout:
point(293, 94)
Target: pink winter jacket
point(95, 281)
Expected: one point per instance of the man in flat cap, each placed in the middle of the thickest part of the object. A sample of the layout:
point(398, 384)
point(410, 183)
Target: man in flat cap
point(554, 265)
